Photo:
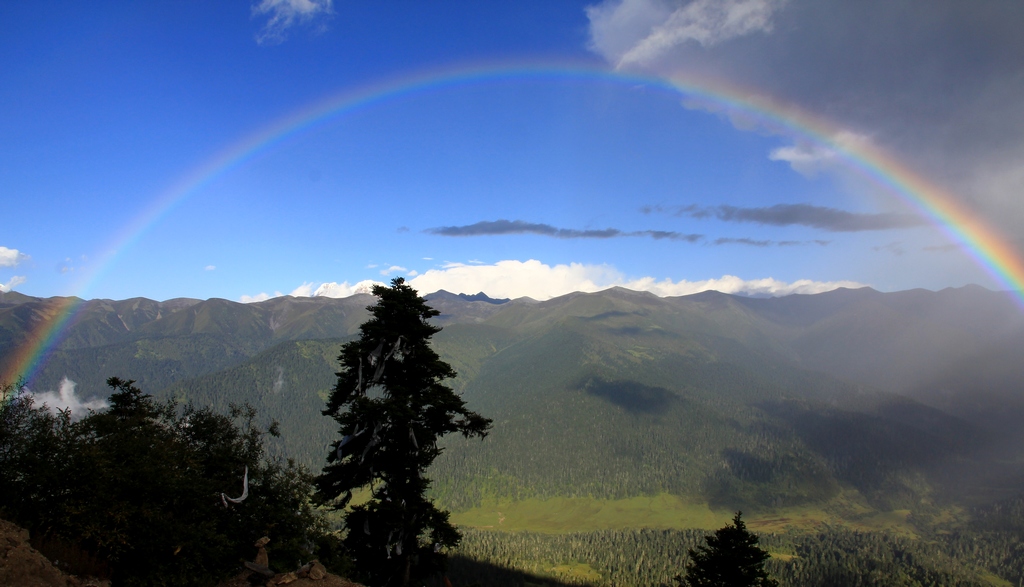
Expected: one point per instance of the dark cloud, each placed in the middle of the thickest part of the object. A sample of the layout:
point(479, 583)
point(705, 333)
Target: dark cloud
point(764, 243)
point(821, 217)
point(742, 241)
point(498, 227)
point(667, 234)
point(893, 248)
point(494, 227)
point(937, 84)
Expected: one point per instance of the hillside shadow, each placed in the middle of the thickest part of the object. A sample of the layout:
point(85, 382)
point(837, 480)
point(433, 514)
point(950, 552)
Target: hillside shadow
point(467, 572)
point(641, 331)
point(632, 396)
point(611, 314)
point(881, 453)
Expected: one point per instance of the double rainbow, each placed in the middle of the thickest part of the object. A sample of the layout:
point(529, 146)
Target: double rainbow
point(989, 250)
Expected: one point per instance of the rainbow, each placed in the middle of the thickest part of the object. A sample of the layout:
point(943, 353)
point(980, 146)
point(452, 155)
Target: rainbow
point(989, 250)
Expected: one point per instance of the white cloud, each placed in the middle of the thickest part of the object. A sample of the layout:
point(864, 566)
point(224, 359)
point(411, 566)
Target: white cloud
point(617, 27)
point(66, 398)
point(14, 282)
point(260, 297)
point(640, 31)
point(513, 279)
point(516, 279)
point(393, 269)
point(279, 381)
point(209, 268)
point(804, 158)
point(810, 158)
point(284, 14)
point(11, 257)
point(730, 284)
point(303, 291)
point(311, 289)
point(344, 290)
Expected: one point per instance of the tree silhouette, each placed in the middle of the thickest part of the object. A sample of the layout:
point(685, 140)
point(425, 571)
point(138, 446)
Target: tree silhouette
point(391, 407)
point(136, 491)
point(731, 558)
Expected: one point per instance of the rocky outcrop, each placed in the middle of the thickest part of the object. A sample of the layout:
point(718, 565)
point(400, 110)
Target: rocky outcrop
point(311, 574)
point(23, 566)
point(291, 580)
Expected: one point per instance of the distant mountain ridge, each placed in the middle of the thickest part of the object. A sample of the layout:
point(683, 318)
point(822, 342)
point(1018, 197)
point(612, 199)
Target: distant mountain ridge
point(477, 297)
point(898, 341)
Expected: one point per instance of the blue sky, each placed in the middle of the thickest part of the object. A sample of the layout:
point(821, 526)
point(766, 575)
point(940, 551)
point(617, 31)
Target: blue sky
point(514, 185)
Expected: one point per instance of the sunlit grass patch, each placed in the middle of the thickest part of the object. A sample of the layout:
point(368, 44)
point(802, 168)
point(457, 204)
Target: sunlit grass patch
point(994, 580)
point(575, 572)
point(664, 511)
point(560, 515)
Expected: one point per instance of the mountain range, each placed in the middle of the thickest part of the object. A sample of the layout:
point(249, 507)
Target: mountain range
point(621, 408)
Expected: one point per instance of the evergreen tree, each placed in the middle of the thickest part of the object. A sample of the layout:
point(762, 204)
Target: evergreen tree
point(391, 407)
point(136, 490)
point(731, 558)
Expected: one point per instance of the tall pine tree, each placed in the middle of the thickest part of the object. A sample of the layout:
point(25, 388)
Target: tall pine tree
point(391, 407)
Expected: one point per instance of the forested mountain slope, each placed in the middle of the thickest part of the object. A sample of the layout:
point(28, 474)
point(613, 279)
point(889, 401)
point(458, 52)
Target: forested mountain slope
point(721, 401)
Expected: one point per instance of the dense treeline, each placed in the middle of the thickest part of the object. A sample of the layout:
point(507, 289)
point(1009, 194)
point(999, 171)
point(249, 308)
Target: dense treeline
point(159, 343)
point(833, 556)
point(290, 381)
point(140, 492)
point(154, 363)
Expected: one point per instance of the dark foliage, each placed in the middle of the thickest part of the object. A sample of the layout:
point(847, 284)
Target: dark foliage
point(474, 573)
point(392, 407)
point(731, 558)
point(137, 488)
point(831, 556)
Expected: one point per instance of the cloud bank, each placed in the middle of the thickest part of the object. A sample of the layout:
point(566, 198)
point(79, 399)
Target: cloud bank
point(67, 399)
point(935, 83)
point(537, 280)
point(344, 290)
point(780, 217)
point(514, 279)
point(311, 289)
